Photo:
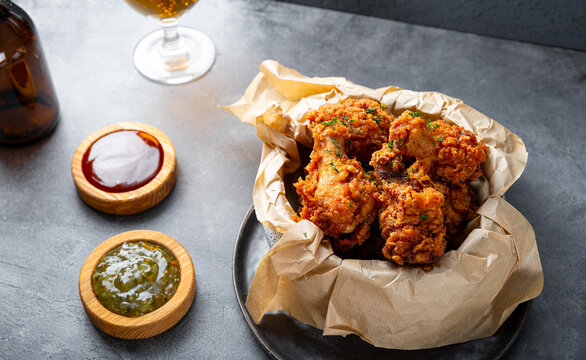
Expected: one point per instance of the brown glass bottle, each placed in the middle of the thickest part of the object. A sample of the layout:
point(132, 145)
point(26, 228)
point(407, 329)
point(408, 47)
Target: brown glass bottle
point(28, 105)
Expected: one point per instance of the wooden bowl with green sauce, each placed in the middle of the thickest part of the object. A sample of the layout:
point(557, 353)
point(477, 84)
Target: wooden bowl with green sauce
point(152, 284)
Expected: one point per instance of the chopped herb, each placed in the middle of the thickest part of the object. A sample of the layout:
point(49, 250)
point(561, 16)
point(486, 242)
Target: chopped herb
point(391, 144)
point(423, 217)
point(414, 113)
point(440, 139)
point(431, 128)
point(371, 110)
point(377, 119)
point(383, 106)
point(305, 234)
point(350, 206)
point(329, 123)
point(333, 167)
point(338, 150)
point(328, 151)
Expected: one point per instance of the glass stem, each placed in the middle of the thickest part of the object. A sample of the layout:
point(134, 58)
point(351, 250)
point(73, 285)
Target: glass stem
point(172, 43)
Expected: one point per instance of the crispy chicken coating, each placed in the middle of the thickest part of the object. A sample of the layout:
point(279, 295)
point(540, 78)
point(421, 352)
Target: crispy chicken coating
point(458, 207)
point(412, 137)
point(459, 155)
point(411, 221)
point(388, 162)
point(366, 121)
point(336, 194)
point(447, 150)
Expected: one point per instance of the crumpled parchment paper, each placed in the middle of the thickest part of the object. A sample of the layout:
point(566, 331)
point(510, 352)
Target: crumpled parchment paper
point(466, 295)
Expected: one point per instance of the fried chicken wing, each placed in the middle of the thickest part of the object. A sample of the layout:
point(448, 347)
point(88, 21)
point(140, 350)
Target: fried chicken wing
point(458, 207)
point(460, 154)
point(411, 221)
point(336, 195)
point(366, 121)
point(410, 133)
point(449, 151)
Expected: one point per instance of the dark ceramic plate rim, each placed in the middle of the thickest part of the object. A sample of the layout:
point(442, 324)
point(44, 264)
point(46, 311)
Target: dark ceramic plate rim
point(523, 307)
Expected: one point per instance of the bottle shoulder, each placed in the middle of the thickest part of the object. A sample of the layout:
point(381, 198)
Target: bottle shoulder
point(15, 22)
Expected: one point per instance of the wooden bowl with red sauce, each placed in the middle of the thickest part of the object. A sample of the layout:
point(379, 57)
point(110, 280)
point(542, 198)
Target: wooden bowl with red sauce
point(125, 168)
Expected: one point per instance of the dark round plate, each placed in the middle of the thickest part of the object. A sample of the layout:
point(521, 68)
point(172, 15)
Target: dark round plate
point(286, 338)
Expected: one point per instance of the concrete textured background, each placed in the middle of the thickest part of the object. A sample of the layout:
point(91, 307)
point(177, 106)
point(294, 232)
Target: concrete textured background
point(46, 231)
point(549, 22)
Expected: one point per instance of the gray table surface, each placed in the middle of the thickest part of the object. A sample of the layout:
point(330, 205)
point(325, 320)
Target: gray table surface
point(46, 231)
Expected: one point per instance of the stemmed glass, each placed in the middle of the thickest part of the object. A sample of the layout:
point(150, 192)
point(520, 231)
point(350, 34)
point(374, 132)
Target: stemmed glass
point(174, 54)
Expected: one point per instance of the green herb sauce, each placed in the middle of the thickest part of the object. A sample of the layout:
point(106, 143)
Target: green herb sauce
point(136, 278)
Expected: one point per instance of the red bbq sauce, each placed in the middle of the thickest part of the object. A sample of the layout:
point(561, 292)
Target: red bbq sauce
point(123, 160)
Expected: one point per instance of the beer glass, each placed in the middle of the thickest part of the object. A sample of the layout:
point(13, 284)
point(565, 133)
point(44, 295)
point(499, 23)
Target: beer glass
point(174, 54)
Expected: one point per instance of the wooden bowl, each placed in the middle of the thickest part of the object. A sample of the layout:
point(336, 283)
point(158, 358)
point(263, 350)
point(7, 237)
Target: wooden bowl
point(150, 324)
point(130, 202)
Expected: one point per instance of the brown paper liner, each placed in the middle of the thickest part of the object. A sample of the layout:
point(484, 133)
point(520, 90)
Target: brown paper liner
point(467, 294)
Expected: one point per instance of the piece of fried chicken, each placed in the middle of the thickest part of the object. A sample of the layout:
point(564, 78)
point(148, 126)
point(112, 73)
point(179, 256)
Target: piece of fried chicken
point(448, 151)
point(411, 222)
point(336, 195)
point(458, 207)
point(366, 121)
point(410, 217)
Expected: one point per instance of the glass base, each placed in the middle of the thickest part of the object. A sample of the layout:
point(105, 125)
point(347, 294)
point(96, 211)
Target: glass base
point(193, 57)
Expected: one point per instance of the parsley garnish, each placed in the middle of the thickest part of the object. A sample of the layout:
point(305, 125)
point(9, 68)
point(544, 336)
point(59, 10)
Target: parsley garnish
point(440, 139)
point(338, 150)
point(329, 123)
point(305, 234)
point(333, 167)
point(350, 206)
point(423, 217)
point(414, 113)
point(377, 119)
point(391, 144)
point(431, 128)
point(383, 106)
point(371, 110)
